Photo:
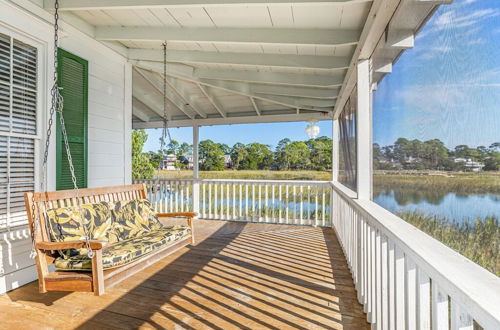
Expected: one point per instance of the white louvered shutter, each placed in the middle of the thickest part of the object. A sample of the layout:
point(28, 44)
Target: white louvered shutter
point(18, 110)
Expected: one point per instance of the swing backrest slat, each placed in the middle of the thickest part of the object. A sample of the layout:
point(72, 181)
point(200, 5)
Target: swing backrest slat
point(66, 198)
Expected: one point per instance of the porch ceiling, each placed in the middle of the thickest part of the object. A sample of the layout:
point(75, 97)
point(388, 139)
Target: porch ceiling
point(238, 61)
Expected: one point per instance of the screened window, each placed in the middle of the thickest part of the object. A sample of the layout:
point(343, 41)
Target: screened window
point(347, 143)
point(436, 131)
point(18, 127)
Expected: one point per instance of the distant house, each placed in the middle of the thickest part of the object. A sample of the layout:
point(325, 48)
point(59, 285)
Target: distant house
point(189, 158)
point(169, 162)
point(228, 162)
point(469, 164)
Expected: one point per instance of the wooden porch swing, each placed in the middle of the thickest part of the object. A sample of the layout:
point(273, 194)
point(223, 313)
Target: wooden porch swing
point(79, 250)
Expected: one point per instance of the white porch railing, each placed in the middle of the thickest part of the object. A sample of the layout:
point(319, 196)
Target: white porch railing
point(267, 201)
point(406, 279)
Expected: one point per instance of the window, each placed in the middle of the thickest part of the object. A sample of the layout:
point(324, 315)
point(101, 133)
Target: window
point(18, 127)
point(436, 129)
point(347, 143)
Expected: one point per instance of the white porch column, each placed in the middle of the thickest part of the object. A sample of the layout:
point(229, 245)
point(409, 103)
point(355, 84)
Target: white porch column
point(196, 165)
point(335, 150)
point(364, 130)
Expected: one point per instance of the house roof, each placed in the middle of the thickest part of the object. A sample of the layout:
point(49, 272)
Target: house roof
point(243, 61)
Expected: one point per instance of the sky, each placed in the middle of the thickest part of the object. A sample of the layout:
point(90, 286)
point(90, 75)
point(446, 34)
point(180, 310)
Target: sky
point(269, 133)
point(448, 85)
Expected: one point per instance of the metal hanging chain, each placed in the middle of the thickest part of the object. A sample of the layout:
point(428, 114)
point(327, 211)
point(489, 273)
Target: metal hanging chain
point(165, 132)
point(57, 105)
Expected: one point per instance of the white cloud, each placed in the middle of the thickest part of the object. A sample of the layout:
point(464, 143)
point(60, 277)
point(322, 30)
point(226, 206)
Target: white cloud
point(454, 19)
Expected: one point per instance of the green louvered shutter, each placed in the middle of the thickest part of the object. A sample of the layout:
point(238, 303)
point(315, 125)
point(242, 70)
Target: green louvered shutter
point(73, 78)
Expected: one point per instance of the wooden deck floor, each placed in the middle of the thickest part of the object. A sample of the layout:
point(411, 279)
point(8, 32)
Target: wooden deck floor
point(237, 276)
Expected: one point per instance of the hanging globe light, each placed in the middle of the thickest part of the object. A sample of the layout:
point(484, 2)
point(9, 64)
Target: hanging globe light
point(312, 129)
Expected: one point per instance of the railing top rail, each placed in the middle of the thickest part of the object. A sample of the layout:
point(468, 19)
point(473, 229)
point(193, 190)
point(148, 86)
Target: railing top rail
point(249, 181)
point(468, 283)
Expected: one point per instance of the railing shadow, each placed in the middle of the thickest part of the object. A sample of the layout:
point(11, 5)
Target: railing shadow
point(237, 276)
point(339, 262)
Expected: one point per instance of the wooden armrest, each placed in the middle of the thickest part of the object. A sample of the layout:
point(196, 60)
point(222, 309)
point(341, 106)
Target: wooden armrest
point(177, 214)
point(94, 245)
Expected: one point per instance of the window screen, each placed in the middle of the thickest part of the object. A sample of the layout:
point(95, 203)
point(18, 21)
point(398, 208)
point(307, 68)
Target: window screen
point(347, 143)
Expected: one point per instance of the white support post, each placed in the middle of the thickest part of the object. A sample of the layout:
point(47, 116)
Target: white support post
point(364, 131)
point(196, 164)
point(335, 150)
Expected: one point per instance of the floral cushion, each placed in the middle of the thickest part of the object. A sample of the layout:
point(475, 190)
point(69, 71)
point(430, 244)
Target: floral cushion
point(127, 251)
point(133, 218)
point(65, 224)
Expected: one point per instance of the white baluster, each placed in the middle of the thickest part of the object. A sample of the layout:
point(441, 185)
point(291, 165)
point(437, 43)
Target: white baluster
point(423, 301)
point(440, 317)
point(280, 203)
point(411, 294)
point(460, 319)
point(400, 289)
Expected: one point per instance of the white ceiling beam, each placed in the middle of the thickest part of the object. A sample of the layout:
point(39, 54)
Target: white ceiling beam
point(263, 77)
point(288, 101)
point(179, 90)
point(140, 110)
point(293, 102)
point(150, 79)
point(402, 39)
point(157, 4)
point(209, 95)
point(310, 104)
point(275, 78)
point(433, 2)
point(382, 65)
point(291, 115)
point(304, 92)
point(278, 60)
point(378, 18)
point(255, 106)
point(148, 103)
point(230, 35)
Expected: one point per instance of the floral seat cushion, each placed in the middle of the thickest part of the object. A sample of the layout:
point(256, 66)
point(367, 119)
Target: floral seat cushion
point(127, 251)
point(65, 225)
point(133, 218)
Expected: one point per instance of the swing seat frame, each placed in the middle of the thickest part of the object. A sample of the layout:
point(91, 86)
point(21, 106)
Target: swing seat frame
point(98, 279)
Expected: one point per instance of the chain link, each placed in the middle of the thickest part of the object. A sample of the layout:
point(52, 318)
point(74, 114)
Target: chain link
point(57, 105)
point(165, 132)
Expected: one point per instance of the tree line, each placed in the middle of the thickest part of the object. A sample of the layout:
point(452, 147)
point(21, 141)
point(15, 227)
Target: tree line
point(312, 154)
point(433, 155)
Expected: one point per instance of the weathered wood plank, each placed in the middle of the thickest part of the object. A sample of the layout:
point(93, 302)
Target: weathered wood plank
point(236, 276)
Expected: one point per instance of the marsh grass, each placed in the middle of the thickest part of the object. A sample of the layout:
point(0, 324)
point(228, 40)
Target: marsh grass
point(477, 240)
point(460, 183)
point(249, 175)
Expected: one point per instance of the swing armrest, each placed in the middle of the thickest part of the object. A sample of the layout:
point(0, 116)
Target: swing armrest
point(94, 245)
point(188, 215)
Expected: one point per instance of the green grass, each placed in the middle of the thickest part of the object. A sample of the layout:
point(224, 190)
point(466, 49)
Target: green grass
point(460, 183)
point(256, 175)
point(479, 241)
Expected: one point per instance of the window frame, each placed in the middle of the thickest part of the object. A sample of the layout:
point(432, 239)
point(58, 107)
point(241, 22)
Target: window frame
point(40, 114)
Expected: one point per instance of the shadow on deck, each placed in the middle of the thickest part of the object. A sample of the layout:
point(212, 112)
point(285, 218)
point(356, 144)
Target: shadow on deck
point(236, 276)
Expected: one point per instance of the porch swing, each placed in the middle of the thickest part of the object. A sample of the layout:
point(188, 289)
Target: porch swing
point(95, 237)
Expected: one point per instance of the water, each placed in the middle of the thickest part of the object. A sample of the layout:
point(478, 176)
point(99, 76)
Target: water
point(451, 205)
